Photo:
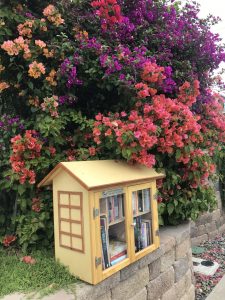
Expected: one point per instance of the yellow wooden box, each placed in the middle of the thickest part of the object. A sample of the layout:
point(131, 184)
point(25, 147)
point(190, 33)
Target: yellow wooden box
point(84, 219)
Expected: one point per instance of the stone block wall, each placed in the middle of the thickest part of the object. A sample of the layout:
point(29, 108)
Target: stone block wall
point(209, 224)
point(165, 274)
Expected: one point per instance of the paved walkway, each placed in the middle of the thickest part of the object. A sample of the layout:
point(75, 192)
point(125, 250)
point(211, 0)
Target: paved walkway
point(218, 293)
point(59, 295)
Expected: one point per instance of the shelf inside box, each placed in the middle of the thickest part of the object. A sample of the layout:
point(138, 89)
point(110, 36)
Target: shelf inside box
point(140, 213)
point(117, 221)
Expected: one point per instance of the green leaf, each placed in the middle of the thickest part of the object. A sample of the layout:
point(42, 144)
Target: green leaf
point(21, 189)
point(31, 85)
point(161, 221)
point(178, 154)
point(23, 204)
point(175, 202)
point(170, 208)
point(19, 76)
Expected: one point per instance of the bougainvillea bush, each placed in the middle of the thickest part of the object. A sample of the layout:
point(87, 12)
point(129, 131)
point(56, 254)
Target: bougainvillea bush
point(106, 79)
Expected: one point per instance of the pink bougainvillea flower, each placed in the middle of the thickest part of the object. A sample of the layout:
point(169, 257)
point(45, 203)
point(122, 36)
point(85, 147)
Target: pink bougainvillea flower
point(28, 260)
point(52, 15)
point(40, 43)
point(10, 47)
point(3, 86)
point(36, 69)
point(8, 240)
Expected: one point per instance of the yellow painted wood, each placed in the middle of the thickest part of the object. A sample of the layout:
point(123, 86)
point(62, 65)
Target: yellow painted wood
point(79, 263)
point(155, 224)
point(98, 244)
point(152, 186)
point(112, 270)
point(129, 219)
point(92, 237)
point(91, 179)
point(100, 173)
point(101, 274)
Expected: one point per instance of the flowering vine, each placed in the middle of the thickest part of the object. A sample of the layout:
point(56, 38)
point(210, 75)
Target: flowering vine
point(24, 149)
point(109, 12)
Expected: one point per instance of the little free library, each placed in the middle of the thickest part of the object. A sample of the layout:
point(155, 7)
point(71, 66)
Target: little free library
point(105, 215)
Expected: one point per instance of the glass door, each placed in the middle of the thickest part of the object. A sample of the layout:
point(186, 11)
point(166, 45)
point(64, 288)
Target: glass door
point(142, 225)
point(113, 227)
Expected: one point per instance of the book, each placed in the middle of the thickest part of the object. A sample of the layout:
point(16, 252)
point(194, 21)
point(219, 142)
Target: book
point(103, 206)
point(116, 247)
point(140, 201)
point(120, 205)
point(144, 234)
point(103, 260)
point(146, 199)
point(118, 255)
point(110, 204)
point(119, 259)
point(105, 241)
point(134, 203)
point(148, 231)
point(116, 207)
point(137, 233)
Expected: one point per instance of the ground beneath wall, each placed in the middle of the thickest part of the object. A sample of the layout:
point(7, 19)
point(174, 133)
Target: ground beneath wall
point(214, 250)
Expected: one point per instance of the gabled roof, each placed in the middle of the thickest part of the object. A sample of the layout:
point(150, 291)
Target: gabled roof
point(102, 173)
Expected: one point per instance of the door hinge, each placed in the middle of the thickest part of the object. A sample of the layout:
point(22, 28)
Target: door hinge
point(95, 212)
point(157, 232)
point(98, 261)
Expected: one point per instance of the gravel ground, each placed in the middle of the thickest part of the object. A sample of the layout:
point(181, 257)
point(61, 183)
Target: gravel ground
point(214, 251)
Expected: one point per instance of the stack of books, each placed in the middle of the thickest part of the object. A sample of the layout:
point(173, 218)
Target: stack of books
point(143, 233)
point(141, 201)
point(113, 251)
point(118, 251)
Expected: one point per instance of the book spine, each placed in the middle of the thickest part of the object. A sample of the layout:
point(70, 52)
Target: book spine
point(140, 201)
point(103, 260)
point(104, 247)
point(138, 234)
point(103, 206)
point(150, 233)
point(120, 205)
point(118, 255)
point(134, 205)
point(146, 196)
point(110, 209)
point(112, 201)
point(144, 234)
point(105, 240)
point(116, 261)
point(116, 207)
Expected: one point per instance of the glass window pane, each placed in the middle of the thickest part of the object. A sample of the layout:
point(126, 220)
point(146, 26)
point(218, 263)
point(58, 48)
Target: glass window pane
point(113, 233)
point(142, 218)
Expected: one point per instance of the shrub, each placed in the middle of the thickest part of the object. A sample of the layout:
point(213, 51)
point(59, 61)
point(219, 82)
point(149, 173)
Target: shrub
point(110, 79)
